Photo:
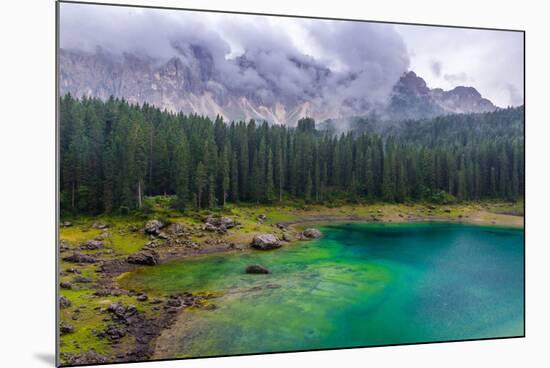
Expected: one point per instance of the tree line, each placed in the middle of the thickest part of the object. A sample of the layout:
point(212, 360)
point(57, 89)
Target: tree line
point(113, 154)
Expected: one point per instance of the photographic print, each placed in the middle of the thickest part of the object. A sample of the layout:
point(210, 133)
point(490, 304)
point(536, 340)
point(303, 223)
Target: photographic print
point(234, 183)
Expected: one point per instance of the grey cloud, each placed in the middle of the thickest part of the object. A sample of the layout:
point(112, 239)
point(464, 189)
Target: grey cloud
point(516, 96)
point(436, 68)
point(456, 78)
point(372, 56)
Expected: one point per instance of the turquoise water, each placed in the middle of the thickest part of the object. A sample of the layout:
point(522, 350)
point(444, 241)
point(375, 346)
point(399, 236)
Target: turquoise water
point(361, 284)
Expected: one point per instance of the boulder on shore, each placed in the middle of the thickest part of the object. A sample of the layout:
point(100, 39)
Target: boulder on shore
point(219, 223)
point(99, 225)
point(257, 269)
point(92, 244)
point(81, 280)
point(65, 285)
point(209, 227)
point(86, 358)
point(312, 233)
point(65, 328)
point(77, 257)
point(153, 227)
point(175, 229)
point(265, 242)
point(64, 302)
point(144, 257)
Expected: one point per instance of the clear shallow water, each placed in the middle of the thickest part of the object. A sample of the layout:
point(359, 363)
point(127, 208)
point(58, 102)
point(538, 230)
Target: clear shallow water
point(361, 284)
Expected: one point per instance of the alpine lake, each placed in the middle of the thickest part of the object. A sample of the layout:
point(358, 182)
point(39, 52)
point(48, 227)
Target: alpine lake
point(361, 284)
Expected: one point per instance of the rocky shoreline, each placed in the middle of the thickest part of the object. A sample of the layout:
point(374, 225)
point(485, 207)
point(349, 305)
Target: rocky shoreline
point(125, 319)
point(170, 242)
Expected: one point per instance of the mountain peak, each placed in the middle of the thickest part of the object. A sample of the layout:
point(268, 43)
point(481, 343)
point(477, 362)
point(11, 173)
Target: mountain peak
point(412, 99)
point(189, 82)
point(413, 83)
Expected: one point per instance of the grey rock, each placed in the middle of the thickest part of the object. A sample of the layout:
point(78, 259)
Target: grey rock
point(77, 257)
point(174, 229)
point(115, 332)
point(99, 225)
point(144, 257)
point(92, 244)
point(87, 358)
point(65, 328)
point(64, 302)
point(82, 280)
point(312, 233)
point(163, 235)
point(153, 227)
point(265, 242)
point(209, 227)
point(220, 224)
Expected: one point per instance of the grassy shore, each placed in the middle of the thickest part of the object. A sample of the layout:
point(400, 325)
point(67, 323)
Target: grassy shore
point(90, 289)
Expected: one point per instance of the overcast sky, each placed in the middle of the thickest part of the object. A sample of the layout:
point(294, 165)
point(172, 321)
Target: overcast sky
point(490, 61)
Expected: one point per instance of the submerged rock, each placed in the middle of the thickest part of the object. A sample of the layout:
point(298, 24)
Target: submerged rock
point(257, 269)
point(144, 257)
point(312, 233)
point(265, 242)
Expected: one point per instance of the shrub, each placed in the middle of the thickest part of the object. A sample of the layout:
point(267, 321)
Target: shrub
point(443, 197)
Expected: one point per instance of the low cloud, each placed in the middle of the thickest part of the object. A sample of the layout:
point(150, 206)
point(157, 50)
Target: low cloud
point(333, 63)
point(516, 96)
point(435, 66)
point(456, 78)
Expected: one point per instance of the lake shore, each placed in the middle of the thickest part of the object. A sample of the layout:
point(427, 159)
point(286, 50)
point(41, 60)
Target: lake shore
point(91, 313)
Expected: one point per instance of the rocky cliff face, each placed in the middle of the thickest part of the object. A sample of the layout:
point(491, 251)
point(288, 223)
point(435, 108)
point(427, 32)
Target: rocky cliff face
point(191, 83)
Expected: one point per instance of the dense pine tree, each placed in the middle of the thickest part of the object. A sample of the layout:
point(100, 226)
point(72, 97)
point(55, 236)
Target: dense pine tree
point(114, 153)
